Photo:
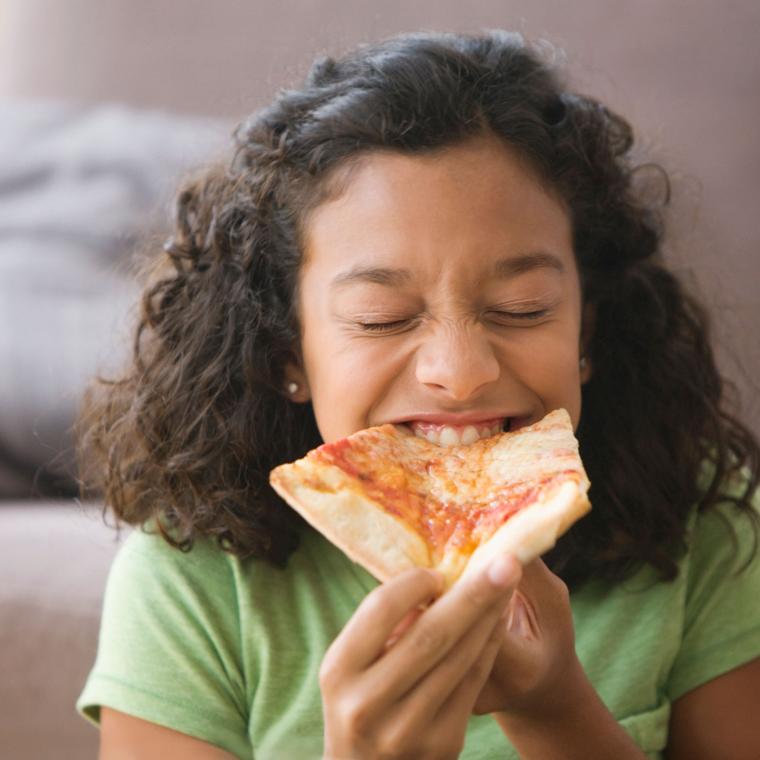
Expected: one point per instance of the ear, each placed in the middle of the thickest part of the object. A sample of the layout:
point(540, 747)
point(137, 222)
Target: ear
point(588, 323)
point(294, 373)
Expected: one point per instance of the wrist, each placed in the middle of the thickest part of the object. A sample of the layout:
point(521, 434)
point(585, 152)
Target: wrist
point(554, 703)
point(572, 723)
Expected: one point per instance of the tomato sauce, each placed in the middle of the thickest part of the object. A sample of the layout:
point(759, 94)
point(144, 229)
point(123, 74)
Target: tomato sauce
point(403, 493)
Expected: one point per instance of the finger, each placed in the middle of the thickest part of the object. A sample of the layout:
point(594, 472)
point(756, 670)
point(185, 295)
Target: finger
point(432, 636)
point(406, 623)
point(459, 665)
point(418, 710)
point(462, 700)
point(362, 639)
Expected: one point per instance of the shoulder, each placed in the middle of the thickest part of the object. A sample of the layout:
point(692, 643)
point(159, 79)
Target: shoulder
point(716, 672)
point(171, 629)
point(146, 554)
point(721, 617)
point(150, 574)
point(159, 596)
point(208, 586)
point(725, 535)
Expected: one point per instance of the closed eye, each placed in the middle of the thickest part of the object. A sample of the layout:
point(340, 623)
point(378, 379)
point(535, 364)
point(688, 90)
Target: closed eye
point(380, 327)
point(527, 316)
point(503, 317)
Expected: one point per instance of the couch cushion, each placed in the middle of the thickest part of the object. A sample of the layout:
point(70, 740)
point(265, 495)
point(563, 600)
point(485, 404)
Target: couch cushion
point(54, 559)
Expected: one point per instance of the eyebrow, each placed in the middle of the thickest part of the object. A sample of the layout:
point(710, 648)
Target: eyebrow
point(504, 269)
point(527, 262)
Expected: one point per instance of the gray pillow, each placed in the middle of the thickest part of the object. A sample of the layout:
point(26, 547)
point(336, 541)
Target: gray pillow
point(80, 189)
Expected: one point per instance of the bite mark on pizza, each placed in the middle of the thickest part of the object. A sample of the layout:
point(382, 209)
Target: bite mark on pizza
point(392, 500)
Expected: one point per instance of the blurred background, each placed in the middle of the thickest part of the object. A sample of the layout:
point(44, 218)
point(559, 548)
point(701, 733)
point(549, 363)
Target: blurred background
point(104, 104)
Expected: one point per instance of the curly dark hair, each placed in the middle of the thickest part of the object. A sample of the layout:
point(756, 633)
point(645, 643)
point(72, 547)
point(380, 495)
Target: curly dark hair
point(188, 435)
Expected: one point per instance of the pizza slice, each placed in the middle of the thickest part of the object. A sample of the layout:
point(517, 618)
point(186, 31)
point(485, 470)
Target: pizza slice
point(392, 500)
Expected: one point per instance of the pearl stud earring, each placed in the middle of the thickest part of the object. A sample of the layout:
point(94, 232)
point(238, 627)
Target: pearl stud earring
point(292, 388)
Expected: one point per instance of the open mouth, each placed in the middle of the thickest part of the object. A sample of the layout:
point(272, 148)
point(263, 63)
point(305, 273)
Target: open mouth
point(459, 435)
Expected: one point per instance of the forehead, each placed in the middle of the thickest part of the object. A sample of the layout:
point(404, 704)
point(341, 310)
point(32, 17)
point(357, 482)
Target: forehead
point(458, 207)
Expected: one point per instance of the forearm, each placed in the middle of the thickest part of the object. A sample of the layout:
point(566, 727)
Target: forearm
point(580, 726)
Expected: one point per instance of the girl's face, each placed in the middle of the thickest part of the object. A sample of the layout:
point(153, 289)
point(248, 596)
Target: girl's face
point(440, 291)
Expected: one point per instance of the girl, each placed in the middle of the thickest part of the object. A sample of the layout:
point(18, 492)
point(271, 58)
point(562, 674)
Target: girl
point(434, 229)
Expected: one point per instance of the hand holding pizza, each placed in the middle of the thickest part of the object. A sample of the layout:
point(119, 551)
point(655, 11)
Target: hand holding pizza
point(537, 649)
point(414, 698)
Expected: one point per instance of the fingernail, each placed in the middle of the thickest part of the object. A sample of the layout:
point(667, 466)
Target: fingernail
point(501, 572)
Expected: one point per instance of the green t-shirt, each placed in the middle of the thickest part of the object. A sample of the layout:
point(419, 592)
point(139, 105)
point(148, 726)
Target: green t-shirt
point(229, 651)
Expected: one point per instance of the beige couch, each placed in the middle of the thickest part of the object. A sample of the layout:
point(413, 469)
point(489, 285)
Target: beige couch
point(54, 557)
point(80, 187)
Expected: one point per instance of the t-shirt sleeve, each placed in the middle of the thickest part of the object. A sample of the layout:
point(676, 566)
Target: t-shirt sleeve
point(722, 606)
point(169, 647)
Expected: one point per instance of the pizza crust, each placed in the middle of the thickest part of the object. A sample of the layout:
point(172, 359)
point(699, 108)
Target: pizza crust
point(355, 523)
point(535, 529)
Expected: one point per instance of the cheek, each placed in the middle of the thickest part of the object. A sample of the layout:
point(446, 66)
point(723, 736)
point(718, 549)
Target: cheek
point(548, 364)
point(347, 379)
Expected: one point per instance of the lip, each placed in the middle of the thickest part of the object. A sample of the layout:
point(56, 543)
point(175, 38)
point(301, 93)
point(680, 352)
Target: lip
point(464, 418)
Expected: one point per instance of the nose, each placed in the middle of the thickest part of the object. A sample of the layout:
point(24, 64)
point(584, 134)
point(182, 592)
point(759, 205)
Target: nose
point(458, 361)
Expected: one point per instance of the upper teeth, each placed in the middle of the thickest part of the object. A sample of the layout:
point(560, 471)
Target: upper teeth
point(459, 436)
